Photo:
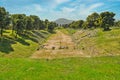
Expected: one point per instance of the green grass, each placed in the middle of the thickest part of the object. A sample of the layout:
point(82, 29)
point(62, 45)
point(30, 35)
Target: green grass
point(68, 31)
point(109, 41)
point(99, 42)
point(71, 31)
point(19, 67)
point(102, 68)
point(24, 45)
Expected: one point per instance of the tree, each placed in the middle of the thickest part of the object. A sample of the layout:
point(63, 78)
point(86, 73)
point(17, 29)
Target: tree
point(42, 25)
point(107, 20)
point(29, 23)
point(80, 23)
point(85, 25)
point(19, 23)
point(4, 19)
point(64, 25)
point(51, 26)
point(46, 23)
point(36, 22)
point(14, 20)
point(117, 23)
point(92, 20)
point(76, 24)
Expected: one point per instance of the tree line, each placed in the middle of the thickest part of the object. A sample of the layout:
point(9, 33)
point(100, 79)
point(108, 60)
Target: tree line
point(20, 23)
point(103, 20)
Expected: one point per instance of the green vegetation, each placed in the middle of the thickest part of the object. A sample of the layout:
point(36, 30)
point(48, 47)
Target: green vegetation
point(22, 35)
point(20, 23)
point(69, 31)
point(98, 42)
point(24, 45)
point(4, 19)
point(117, 24)
point(103, 68)
point(103, 20)
point(76, 24)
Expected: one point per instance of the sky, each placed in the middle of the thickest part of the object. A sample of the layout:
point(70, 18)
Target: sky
point(54, 9)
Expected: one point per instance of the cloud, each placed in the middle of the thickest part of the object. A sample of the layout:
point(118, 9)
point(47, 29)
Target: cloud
point(34, 8)
point(53, 9)
point(77, 12)
point(84, 10)
point(95, 6)
point(55, 3)
point(37, 7)
point(68, 10)
point(80, 11)
point(61, 1)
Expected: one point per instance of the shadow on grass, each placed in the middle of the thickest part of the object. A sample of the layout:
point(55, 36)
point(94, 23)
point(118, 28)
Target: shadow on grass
point(39, 34)
point(22, 41)
point(5, 45)
point(51, 31)
point(29, 36)
point(35, 36)
point(7, 41)
point(5, 31)
point(44, 32)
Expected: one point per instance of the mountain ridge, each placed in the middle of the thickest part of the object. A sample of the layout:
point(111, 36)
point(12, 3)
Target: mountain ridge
point(62, 21)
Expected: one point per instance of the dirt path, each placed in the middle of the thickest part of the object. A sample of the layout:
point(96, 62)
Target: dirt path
point(59, 45)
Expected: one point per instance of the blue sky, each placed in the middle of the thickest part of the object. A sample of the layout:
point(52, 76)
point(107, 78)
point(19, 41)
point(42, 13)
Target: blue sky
point(54, 9)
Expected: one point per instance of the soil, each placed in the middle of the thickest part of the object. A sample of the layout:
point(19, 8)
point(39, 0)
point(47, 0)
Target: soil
point(59, 45)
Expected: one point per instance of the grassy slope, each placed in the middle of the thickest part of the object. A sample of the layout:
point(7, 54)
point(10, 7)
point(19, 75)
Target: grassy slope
point(109, 42)
point(68, 31)
point(24, 46)
point(102, 68)
point(99, 42)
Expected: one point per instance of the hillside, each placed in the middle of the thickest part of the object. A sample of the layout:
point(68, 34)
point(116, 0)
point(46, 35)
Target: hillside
point(97, 42)
point(80, 43)
point(84, 42)
point(62, 21)
point(24, 45)
point(98, 61)
point(59, 39)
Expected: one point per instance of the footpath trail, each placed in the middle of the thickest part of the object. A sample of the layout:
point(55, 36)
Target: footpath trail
point(59, 45)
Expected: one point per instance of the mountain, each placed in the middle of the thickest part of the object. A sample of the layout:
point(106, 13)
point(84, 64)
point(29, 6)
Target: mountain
point(62, 21)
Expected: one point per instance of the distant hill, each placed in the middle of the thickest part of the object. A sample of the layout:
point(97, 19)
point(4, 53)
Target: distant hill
point(62, 21)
